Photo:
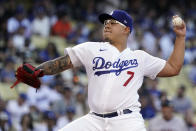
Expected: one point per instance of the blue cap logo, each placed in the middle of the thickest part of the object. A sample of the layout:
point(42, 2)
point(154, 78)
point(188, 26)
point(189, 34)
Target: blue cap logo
point(119, 15)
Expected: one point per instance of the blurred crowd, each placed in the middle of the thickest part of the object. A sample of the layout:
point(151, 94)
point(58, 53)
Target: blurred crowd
point(63, 98)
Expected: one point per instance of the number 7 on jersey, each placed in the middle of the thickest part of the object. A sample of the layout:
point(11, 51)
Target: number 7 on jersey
point(131, 76)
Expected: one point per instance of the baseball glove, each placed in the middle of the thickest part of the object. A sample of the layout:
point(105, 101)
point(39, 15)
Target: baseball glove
point(28, 74)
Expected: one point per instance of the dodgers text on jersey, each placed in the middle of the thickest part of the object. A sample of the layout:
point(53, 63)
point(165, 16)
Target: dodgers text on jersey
point(105, 67)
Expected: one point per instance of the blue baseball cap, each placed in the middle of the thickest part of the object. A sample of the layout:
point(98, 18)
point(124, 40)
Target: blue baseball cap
point(167, 103)
point(23, 96)
point(119, 15)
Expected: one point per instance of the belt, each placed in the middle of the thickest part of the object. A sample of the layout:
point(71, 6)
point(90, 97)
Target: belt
point(113, 114)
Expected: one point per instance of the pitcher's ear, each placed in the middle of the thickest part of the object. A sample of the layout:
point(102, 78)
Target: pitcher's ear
point(127, 30)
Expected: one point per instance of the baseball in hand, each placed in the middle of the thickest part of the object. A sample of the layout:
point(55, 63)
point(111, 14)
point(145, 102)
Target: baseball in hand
point(177, 21)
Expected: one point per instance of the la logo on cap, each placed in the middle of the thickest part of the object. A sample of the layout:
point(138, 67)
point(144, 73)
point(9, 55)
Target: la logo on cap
point(111, 13)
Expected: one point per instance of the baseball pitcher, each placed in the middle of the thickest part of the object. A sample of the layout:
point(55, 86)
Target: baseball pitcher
point(115, 73)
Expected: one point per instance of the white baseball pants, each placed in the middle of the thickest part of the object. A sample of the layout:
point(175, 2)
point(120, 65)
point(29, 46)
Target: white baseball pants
point(91, 122)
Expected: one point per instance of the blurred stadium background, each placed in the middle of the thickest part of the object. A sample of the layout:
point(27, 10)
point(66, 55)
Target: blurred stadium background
point(38, 30)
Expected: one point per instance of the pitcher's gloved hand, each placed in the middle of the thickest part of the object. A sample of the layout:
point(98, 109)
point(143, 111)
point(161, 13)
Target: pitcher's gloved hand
point(29, 75)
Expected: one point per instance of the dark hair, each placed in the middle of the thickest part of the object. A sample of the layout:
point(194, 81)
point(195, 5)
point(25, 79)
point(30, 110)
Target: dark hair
point(30, 124)
point(182, 87)
point(53, 46)
point(166, 103)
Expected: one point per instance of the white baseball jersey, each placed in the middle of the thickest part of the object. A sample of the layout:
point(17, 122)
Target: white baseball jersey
point(160, 124)
point(113, 77)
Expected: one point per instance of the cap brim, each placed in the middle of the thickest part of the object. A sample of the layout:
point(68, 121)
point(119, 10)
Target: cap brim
point(103, 17)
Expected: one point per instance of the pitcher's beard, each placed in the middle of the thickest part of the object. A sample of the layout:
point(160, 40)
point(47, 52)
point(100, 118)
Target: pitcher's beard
point(108, 40)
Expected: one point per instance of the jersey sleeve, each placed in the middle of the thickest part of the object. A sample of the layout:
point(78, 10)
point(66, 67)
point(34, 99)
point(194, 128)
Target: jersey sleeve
point(152, 65)
point(78, 54)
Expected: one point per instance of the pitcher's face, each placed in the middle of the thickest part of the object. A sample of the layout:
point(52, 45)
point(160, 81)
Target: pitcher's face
point(113, 30)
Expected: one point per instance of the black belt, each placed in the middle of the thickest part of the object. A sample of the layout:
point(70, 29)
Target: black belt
point(113, 114)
